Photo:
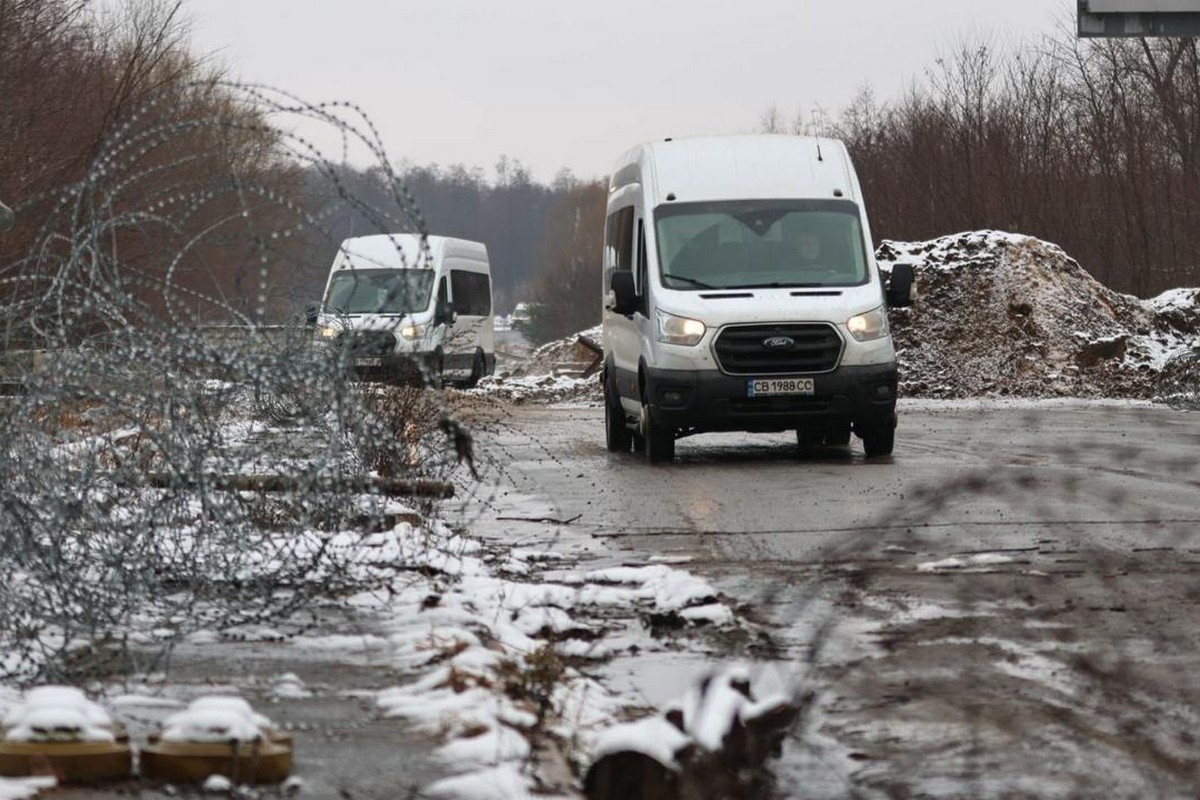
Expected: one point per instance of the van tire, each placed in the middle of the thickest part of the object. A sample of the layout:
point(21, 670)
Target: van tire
point(478, 370)
point(617, 436)
point(659, 443)
point(436, 377)
point(878, 442)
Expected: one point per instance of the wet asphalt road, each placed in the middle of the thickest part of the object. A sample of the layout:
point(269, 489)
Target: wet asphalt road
point(964, 478)
point(1005, 607)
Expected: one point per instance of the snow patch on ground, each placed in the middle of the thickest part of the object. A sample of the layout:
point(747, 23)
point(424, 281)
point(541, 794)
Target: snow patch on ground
point(489, 656)
point(972, 563)
point(24, 788)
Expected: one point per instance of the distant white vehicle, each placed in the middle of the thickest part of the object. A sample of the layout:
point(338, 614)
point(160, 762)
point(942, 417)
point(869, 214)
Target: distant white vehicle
point(741, 294)
point(520, 315)
point(397, 306)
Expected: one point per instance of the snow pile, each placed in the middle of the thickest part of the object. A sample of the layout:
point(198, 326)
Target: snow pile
point(713, 744)
point(216, 718)
point(566, 350)
point(57, 714)
point(539, 388)
point(1004, 314)
point(24, 788)
point(551, 374)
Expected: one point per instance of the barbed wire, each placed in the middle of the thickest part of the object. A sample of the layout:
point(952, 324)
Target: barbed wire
point(175, 452)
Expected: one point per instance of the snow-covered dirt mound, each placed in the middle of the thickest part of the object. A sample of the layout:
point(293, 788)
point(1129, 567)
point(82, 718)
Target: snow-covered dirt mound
point(566, 369)
point(1004, 314)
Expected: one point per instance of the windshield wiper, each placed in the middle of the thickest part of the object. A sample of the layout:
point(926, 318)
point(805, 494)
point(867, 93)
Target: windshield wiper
point(692, 281)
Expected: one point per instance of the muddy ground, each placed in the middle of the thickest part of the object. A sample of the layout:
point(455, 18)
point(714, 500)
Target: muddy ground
point(1006, 607)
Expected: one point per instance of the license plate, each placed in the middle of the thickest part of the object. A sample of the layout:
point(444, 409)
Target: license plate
point(770, 387)
point(368, 362)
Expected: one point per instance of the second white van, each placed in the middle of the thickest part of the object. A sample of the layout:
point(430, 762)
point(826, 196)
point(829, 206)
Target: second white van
point(403, 306)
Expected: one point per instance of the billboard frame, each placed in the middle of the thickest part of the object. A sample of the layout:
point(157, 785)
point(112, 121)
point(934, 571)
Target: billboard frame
point(1110, 25)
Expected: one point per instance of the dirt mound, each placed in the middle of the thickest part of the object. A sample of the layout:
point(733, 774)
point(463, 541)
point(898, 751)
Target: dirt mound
point(1008, 315)
point(558, 371)
point(569, 352)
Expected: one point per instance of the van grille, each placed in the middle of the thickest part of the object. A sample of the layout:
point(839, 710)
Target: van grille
point(367, 343)
point(740, 349)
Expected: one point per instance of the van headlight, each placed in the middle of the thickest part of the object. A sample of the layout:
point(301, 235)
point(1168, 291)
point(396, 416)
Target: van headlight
point(327, 332)
point(869, 326)
point(679, 330)
point(411, 331)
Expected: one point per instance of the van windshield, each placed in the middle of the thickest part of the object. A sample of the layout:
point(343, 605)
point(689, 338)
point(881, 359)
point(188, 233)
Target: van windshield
point(747, 244)
point(379, 291)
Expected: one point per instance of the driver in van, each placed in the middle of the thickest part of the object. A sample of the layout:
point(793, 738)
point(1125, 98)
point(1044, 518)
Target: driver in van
point(809, 247)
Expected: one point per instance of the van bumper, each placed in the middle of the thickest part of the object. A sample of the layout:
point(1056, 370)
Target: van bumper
point(396, 367)
point(698, 401)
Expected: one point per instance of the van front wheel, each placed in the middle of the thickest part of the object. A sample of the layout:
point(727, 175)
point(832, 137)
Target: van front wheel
point(435, 374)
point(478, 370)
point(617, 436)
point(879, 441)
point(659, 442)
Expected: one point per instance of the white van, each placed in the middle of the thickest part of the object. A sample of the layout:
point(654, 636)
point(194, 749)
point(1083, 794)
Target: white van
point(400, 306)
point(741, 294)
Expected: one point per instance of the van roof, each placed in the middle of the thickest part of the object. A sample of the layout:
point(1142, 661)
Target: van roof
point(759, 166)
point(389, 250)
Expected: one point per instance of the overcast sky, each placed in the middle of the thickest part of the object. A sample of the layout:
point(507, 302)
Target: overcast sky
point(574, 82)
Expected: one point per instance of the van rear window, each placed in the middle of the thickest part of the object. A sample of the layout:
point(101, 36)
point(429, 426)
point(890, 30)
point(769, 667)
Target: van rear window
point(745, 244)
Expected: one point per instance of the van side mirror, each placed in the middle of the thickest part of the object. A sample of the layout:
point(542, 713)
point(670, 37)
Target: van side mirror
point(312, 312)
point(444, 314)
point(899, 288)
point(625, 298)
point(7, 218)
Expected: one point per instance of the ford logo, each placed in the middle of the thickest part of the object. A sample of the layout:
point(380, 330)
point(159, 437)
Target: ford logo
point(779, 343)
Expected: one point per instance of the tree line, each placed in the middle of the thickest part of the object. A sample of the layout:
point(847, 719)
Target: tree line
point(132, 165)
point(1091, 144)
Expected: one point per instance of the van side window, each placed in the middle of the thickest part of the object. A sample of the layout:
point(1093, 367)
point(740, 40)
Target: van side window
point(642, 274)
point(472, 293)
point(442, 297)
point(618, 243)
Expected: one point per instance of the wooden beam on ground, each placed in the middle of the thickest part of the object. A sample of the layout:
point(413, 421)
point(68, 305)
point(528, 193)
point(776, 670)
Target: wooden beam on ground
point(389, 487)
